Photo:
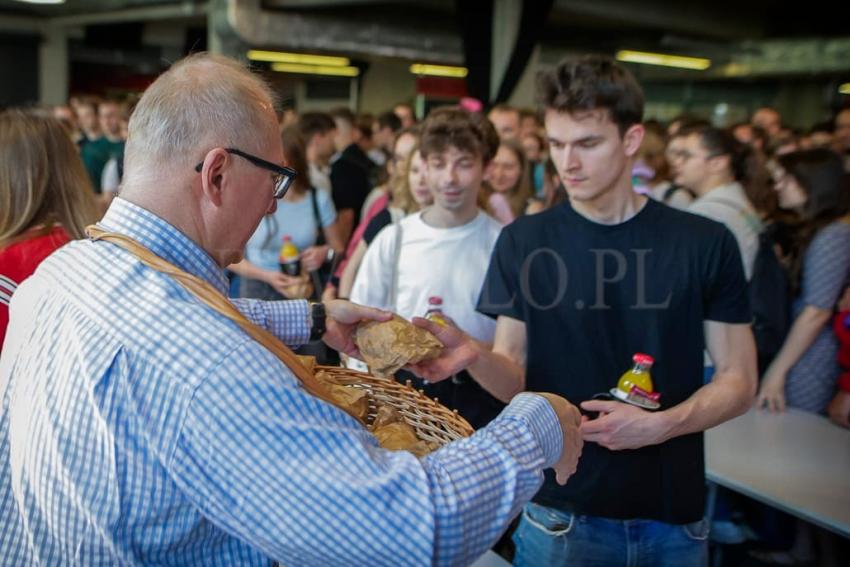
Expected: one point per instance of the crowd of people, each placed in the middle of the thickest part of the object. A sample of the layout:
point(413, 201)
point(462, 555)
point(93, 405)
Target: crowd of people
point(554, 245)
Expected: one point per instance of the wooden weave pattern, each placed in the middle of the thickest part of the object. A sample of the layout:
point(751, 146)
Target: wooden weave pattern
point(432, 421)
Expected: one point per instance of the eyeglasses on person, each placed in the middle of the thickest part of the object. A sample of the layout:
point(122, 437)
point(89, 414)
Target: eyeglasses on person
point(282, 176)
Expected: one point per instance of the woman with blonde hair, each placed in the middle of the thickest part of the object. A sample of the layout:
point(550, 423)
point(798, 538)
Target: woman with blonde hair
point(410, 193)
point(509, 182)
point(46, 198)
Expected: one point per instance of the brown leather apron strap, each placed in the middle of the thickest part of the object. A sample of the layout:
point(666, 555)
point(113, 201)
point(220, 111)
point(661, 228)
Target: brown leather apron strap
point(209, 295)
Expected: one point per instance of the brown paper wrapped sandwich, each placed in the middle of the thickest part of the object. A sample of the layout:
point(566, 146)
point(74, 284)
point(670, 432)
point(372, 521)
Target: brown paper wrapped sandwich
point(389, 345)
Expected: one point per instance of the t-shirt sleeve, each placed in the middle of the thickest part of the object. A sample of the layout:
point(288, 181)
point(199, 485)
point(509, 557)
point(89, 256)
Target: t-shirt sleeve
point(327, 212)
point(500, 294)
point(826, 267)
point(726, 299)
point(375, 225)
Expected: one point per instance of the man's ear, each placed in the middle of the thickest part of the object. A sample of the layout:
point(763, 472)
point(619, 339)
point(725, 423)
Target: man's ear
point(633, 138)
point(213, 175)
point(721, 163)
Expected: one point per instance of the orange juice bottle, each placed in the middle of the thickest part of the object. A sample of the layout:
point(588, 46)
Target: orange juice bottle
point(435, 310)
point(638, 375)
point(290, 261)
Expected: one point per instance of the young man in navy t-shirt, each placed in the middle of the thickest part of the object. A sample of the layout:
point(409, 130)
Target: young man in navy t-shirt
point(578, 290)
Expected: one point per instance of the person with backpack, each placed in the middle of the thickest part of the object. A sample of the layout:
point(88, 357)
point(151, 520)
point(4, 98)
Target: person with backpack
point(437, 258)
point(712, 163)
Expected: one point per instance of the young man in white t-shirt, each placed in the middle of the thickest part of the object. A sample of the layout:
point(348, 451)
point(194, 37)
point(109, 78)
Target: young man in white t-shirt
point(442, 252)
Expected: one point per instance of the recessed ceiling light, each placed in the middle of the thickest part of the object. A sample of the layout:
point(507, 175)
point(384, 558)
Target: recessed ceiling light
point(664, 60)
point(439, 70)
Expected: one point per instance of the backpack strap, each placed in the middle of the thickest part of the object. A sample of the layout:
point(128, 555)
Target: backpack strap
point(320, 234)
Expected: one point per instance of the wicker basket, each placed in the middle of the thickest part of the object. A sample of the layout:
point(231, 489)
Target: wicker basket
point(432, 421)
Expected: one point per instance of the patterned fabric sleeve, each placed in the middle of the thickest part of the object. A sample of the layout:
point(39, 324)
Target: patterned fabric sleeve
point(306, 484)
point(826, 266)
point(287, 320)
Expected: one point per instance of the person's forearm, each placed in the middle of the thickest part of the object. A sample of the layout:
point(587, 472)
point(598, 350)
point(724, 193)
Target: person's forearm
point(728, 395)
point(287, 320)
point(247, 270)
point(803, 333)
point(479, 484)
point(345, 223)
point(498, 374)
point(346, 281)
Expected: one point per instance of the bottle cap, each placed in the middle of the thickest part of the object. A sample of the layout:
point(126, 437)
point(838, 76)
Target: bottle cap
point(643, 359)
point(434, 300)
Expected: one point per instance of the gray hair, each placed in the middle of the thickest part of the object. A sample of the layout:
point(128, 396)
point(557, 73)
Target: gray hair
point(201, 102)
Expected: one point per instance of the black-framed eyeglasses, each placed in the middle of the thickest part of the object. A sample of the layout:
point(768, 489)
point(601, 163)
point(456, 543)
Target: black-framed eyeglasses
point(282, 176)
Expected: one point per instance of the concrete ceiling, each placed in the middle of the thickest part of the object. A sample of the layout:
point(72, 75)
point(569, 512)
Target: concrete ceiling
point(737, 33)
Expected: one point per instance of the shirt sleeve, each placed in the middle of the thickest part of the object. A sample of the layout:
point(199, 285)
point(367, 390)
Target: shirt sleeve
point(500, 294)
point(726, 298)
point(327, 212)
point(287, 320)
point(374, 277)
point(826, 267)
point(305, 483)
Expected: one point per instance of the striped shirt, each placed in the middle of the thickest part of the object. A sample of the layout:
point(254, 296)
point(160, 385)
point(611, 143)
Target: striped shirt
point(137, 426)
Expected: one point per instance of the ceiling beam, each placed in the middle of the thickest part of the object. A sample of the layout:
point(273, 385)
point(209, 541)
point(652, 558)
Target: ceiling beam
point(303, 31)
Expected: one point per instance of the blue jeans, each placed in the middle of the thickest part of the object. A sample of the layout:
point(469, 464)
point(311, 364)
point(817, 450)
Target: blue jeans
point(547, 536)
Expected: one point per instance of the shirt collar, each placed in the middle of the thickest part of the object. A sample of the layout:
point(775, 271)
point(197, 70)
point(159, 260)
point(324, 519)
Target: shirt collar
point(164, 240)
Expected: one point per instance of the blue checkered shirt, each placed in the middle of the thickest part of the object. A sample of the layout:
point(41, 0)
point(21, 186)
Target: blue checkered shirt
point(137, 426)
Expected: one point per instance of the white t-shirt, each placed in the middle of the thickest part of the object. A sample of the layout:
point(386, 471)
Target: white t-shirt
point(446, 262)
point(729, 205)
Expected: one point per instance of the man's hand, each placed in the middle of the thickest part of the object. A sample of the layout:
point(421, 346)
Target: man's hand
point(621, 426)
point(570, 419)
point(839, 409)
point(772, 392)
point(342, 320)
point(459, 351)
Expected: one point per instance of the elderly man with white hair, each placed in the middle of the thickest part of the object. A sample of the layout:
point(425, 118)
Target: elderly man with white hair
point(146, 419)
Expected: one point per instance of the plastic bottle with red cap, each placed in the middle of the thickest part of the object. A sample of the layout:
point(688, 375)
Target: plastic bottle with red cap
point(635, 385)
point(435, 310)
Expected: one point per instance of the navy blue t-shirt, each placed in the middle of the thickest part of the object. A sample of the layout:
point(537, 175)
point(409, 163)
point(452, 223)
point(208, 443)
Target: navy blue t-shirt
point(593, 295)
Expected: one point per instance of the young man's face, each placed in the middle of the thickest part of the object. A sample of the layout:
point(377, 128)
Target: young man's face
point(455, 178)
point(506, 123)
point(590, 155)
point(691, 162)
point(110, 119)
point(326, 143)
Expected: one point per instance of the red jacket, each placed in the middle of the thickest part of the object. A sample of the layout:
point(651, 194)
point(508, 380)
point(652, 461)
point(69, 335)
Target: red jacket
point(18, 261)
point(841, 326)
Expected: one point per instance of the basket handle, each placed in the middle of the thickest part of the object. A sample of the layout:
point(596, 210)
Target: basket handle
point(210, 296)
